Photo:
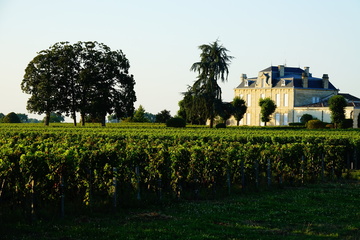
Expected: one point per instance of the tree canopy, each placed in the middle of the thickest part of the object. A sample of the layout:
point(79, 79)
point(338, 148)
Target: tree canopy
point(267, 108)
point(239, 109)
point(11, 118)
point(213, 66)
point(86, 77)
point(337, 106)
point(163, 116)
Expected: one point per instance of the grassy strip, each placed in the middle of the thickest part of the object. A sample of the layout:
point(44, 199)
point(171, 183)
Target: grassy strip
point(325, 211)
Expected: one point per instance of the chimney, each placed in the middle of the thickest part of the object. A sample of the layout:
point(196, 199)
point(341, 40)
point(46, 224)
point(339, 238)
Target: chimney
point(243, 77)
point(325, 81)
point(305, 79)
point(306, 69)
point(281, 70)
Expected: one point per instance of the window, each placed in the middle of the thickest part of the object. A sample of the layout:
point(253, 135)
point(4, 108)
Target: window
point(246, 83)
point(315, 99)
point(262, 95)
point(248, 118)
point(286, 100)
point(283, 83)
point(248, 100)
point(286, 121)
point(277, 96)
point(277, 119)
point(241, 96)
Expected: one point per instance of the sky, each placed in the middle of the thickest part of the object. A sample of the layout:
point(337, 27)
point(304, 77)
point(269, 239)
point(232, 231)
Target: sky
point(160, 38)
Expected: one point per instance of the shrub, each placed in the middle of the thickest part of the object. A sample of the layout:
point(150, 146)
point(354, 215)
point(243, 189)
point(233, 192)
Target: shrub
point(11, 118)
point(315, 124)
point(220, 125)
point(346, 123)
point(176, 122)
point(305, 118)
point(297, 124)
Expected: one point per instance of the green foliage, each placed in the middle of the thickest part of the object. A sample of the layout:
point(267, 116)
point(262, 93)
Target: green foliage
point(11, 118)
point(86, 77)
point(268, 107)
point(163, 116)
point(239, 109)
point(305, 118)
point(1, 117)
point(56, 118)
point(220, 125)
point(194, 159)
point(139, 115)
point(315, 124)
point(337, 106)
point(296, 124)
point(346, 123)
point(225, 111)
point(193, 107)
point(176, 122)
point(213, 66)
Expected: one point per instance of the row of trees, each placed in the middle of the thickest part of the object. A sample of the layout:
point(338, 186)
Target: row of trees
point(23, 118)
point(86, 77)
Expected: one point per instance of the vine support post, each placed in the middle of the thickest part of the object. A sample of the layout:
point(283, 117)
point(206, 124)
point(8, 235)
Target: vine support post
point(242, 169)
point(137, 173)
point(322, 167)
point(62, 197)
point(268, 172)
point(32, 204)
point(257, 173)
point(159, 189)
point(302, 173)
point(355, 159)
point(228, 177)
point(114, 187)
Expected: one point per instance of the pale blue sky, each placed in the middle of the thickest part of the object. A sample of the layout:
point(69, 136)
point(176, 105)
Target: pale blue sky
point(161, 38)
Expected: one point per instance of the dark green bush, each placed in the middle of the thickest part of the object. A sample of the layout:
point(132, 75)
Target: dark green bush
point(220, 125)
point(346, 123)
point(297, 124)
point(176, 122)
point(315, 124)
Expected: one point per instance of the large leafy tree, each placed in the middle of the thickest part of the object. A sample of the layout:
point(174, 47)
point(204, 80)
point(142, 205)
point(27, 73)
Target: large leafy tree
point(194, 107)
point(41, 80)
point(86, 77)
point(163, 116)
point(213, 66)
point(337, 106)
point(268, 107)
point(239, 109)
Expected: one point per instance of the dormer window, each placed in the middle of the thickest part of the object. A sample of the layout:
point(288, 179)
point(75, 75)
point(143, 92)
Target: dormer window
point(246, 83)
point(283, 83)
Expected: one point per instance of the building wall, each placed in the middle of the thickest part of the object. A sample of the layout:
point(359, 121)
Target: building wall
point(305, 96)
point(284, 100)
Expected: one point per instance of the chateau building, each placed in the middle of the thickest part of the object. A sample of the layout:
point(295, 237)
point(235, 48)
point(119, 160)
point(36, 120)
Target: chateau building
point(295, 92)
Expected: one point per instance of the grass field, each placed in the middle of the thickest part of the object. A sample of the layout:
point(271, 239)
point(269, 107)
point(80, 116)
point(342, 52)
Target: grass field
point(321, 211)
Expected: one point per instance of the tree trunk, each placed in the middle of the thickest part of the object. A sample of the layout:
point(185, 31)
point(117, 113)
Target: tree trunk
point(211, 122)
point(74, 118)
point(82, 119)
point(237, 123)
point(103, 121)
point(47, 119)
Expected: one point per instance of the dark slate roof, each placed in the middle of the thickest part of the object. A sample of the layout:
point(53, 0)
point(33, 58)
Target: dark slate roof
point(349, 97)
point(352, 101)
point(292, 77)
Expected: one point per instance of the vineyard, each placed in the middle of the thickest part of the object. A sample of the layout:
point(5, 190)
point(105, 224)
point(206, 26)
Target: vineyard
point(53, 167)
